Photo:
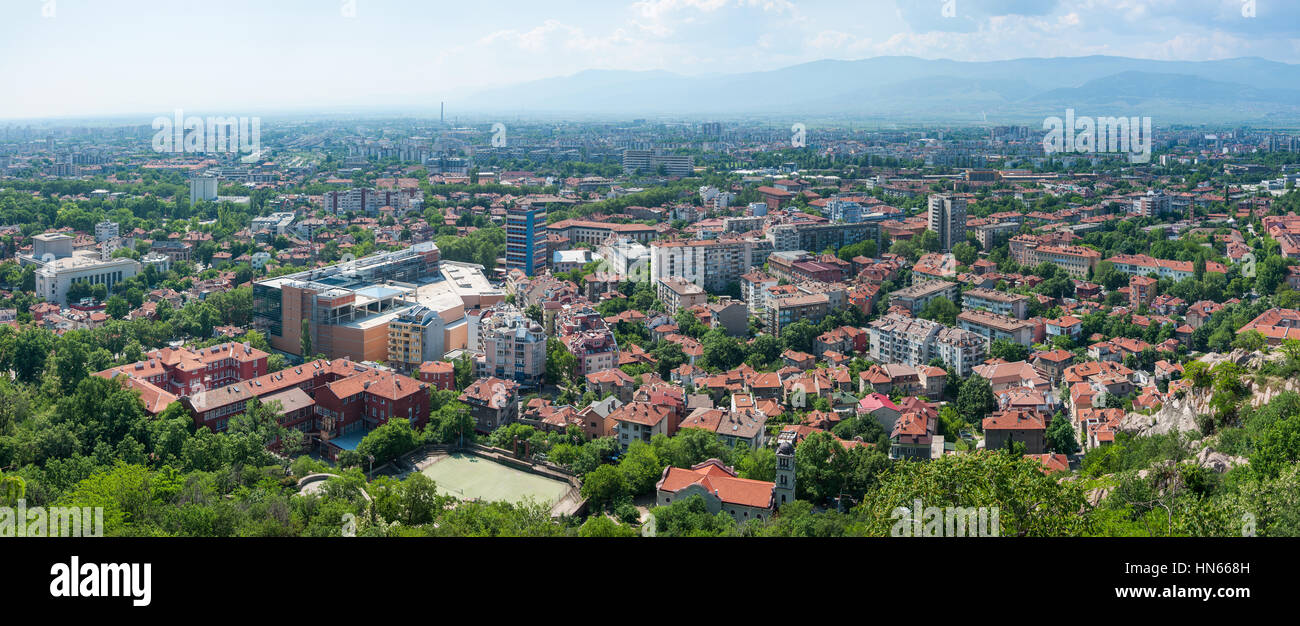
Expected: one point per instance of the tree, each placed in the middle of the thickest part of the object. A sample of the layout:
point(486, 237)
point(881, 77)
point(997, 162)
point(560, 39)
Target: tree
point(722, 352)
point(799, 336)
point(1008, 350)
point(601, 526)
point(604, 487)
point(688, 447)
point(31, 347)
point(304, 339)
point(670, 357)
point(561, 365)
point(117, 307)
point(1250, 341)
point(389, 441)
point(764, 352)
point(70, 358)
point(965, 253)
point(815, 457)
point(941, 310)
point(1029, 503)
point(641, 467)
point(690, 517)
point(1270, 274)
point(1060, 435)
point(975, 400)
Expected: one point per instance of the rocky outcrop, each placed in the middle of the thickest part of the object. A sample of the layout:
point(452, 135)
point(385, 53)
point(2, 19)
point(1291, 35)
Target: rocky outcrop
point(1179, 414)
point(1176, 415)
point(1212, 459)
point(1248, 360)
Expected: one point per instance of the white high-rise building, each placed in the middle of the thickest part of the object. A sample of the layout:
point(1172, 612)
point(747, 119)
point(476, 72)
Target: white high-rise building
point(106, 230)
point(203, 188)
point(947, 218)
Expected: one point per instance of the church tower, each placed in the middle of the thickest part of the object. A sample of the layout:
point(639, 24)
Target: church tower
point(784, 491)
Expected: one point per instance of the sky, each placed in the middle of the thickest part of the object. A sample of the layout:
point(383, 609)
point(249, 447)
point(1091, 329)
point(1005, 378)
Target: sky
point(89, 58)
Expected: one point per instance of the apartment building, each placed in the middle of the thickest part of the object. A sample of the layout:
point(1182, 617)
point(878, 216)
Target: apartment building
point(589, 340)
point(657, 161)
point(1141, 265)
point(417, 335)
point(526, 234)
point(514, 347)
point(1077, 261)
point(597, 233)
point(625, 257)
point(798, 265)
point(1031, 250)
point(1154, 203)
point(368, 201)
point(106, 230)
point(639, 421)
point(1141, 291)
point(678, 294)
point(712, 264)
point(992, 326)
point(203, 188)
point(920, 294)
point(493, 402)
point(440, 375)
point(1000, 302)
point(820, 236)
point(946, 216)
point(899, 339)
point(782, 312)
point(274, 224)
point(753, 286)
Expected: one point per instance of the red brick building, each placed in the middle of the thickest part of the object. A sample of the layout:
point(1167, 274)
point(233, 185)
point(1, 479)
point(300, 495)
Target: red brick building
point(440, 375)
point(347, 398)
point(183, 371)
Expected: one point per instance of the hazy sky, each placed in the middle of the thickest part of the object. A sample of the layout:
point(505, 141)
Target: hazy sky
point(250, 57)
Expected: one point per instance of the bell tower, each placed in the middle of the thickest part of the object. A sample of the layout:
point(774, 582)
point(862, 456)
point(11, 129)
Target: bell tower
point(785, 469)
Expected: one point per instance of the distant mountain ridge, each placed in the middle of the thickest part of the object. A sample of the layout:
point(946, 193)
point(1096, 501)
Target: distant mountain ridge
point(1243, 89)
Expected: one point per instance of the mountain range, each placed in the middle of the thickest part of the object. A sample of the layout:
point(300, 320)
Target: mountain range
point(1244, 90)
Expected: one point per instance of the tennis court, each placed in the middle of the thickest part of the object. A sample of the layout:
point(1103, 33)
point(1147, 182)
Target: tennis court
point(467, 477)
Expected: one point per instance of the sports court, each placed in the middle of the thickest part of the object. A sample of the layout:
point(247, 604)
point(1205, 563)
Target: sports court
point(468, 477)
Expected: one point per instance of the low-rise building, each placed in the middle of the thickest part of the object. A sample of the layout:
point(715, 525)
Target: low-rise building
point(493, 402)
point(721, 489)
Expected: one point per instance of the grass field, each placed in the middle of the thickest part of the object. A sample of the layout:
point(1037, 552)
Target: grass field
point(467, 477)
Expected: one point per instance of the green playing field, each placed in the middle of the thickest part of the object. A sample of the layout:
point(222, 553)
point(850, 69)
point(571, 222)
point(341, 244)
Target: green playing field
point(467, 477)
